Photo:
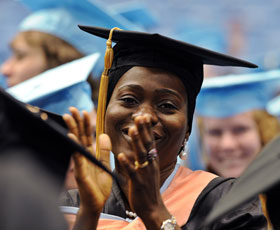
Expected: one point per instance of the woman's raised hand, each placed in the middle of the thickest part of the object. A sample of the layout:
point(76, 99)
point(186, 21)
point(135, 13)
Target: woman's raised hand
point(94, 184)
point(144, 175)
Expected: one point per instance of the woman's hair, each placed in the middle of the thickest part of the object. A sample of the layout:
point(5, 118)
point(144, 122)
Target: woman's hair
point(268, 127)
point(56, 50)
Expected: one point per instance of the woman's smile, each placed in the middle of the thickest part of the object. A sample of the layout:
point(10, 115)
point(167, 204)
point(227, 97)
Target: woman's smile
point(159, 94)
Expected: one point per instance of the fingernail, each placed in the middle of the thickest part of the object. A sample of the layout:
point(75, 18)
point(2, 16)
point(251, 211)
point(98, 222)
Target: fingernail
point(132, 131)
point(141, 121)
point(147, 118)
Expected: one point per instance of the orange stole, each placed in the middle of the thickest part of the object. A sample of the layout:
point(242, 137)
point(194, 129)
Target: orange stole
point(179, 199)
point(183, 191)
point(105, 224)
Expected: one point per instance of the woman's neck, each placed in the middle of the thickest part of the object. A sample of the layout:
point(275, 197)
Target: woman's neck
point(165, 173)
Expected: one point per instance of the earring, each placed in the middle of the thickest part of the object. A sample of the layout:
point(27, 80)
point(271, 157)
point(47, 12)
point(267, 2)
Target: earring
point(184, 153)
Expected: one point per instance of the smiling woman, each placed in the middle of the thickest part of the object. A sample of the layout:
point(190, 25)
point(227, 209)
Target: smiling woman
point(161, 95)
point(152, 89)
point(233, 123)
point(232, 142)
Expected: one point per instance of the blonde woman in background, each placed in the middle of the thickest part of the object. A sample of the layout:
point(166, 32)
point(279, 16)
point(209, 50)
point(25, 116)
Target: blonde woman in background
point(233, 123)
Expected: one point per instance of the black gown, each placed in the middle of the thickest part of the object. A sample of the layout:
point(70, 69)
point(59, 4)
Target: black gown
point(248, 216)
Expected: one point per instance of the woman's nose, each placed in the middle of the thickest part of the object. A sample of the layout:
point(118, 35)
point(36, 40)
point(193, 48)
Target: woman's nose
point(228, 142)
point(6, 67)
point(146, 110)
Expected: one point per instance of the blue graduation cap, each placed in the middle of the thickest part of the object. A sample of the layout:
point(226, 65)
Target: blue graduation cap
point(230, 95)
point(59, 88)
point(273, 106)
point(61, 18)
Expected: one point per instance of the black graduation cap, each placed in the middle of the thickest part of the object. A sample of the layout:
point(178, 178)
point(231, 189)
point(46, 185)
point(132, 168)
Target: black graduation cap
point(42, 135)
point(154, 50)
point(170, 45)
point(260, 177)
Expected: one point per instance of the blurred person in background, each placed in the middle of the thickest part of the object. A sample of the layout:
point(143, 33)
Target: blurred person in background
point(41, 45)
point(35, 52)
point(49, 37)
point(232, 121)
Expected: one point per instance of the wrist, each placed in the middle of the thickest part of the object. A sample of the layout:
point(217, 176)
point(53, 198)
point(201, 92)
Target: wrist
point(86, 220)
point(155, 219)
point(86, 210)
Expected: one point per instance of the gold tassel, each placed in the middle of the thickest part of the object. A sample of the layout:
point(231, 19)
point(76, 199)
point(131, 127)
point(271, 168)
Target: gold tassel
point(262, 198)
point(102, 96)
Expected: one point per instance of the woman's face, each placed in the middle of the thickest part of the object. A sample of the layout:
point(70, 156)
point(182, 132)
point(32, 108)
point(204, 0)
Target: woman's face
point(231, 143)
point(25, 62)
point(148, 91)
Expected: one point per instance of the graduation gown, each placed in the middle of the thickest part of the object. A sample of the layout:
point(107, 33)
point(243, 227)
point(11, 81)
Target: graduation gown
point(188, 195)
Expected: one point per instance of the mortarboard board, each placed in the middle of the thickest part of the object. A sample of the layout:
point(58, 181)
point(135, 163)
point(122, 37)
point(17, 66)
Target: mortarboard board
point(28, 130)
point(157, 51)
point(171, 46)
point(57, 89)
point(259, 177)
point(227, 96)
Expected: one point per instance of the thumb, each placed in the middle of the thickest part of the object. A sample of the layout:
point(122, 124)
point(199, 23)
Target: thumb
point(73, 137)
point(105, 147)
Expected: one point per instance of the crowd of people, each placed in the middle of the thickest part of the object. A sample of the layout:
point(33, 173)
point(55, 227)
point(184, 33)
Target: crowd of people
point(152, 99)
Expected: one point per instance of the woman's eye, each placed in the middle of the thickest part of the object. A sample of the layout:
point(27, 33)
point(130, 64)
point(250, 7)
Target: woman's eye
point(240, 130)
point(214, 132)
point(19, 55)
point(167, 106)
point(129, 101)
